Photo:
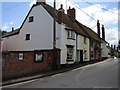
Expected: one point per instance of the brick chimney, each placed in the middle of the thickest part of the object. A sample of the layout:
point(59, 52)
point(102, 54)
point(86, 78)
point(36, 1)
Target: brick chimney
point(103, 32)
point(98, 28)
point(60, 14)
point(72, 13)
point(40, 1)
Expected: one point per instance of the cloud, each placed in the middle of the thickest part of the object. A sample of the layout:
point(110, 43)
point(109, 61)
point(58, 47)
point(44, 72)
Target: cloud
point(32, 2)
point(106, 18)
point(11, 23)
point(7, 26)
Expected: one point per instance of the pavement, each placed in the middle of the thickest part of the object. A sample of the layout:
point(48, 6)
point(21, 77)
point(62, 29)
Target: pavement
point(50, 73)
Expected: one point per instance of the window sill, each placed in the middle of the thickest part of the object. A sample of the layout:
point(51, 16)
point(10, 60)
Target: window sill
point(71, 38)
point(70, 60)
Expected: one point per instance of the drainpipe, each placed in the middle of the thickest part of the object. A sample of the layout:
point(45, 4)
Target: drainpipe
point(76, 46)
point(54, 38)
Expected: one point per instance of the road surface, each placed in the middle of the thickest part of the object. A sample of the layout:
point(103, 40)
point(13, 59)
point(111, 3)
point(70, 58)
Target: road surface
point(99, 75)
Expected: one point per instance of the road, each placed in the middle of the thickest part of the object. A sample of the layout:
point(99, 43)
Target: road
point(99, 75)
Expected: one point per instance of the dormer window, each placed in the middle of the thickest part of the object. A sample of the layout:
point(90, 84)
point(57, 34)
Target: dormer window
point(31, 19)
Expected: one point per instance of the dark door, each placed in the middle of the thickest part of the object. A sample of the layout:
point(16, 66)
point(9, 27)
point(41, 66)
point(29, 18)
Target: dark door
point(81, 56)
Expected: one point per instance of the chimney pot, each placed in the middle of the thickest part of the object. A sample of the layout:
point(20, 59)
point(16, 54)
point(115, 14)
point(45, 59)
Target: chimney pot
point(114, 47)
point(40, 1)
point(69, 7)
point(61, 6)
point(12, 29)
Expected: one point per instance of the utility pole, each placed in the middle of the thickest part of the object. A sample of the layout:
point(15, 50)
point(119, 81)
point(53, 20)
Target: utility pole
point(54, 37)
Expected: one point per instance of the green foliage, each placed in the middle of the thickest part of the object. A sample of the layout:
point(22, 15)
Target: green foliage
point(2, 33)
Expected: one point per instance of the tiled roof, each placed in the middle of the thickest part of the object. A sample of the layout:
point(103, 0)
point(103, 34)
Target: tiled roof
point(11, 33)
point(67, 20)
point(74, 25)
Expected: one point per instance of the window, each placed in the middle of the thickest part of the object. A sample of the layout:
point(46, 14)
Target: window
point(69, 52)
point(71, 34)
point(20, 56)
point(27, 37)
point(85, 40)
point(91, 43)
point(92, 54)
point(39, 57)
point(31, 19)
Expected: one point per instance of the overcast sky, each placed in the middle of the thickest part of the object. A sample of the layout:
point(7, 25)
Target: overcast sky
point(13, 14)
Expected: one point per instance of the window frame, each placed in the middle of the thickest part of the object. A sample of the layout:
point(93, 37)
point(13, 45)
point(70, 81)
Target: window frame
point(31, 19)
point(20, 56)
point(36, 57)
point(27, 37)
point(70, 53)
point(70, 34)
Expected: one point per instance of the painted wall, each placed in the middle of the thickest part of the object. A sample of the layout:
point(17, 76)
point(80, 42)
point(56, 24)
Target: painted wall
point(64, 42)
point(95, 49)
point(83, 46)
point(41, 37)
point(105, 50)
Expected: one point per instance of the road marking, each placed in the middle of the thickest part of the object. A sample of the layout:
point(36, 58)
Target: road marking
point(19, 83)
point(90, 65)
point(56, 75)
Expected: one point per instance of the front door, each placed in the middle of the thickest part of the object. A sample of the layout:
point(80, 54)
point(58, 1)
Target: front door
point(81, 56)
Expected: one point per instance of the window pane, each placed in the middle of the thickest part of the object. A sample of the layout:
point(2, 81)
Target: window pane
point(31, 19)
point(39, 57)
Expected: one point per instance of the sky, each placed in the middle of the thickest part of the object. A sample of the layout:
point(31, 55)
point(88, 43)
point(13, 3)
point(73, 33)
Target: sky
point(14, 13)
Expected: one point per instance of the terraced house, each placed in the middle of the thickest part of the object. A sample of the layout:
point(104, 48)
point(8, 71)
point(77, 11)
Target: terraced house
point(29, 49)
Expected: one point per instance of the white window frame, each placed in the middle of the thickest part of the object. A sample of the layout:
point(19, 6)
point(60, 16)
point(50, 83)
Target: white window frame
point(70, 34)
point(21, 56)
point(70, 53)
point(38, 57)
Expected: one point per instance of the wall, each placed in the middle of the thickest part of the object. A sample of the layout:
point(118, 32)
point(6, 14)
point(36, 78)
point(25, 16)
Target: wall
point(15, 68)
point(95, 48)
point(105, 50)
point(64, 42)
point(83, 46)
point(41, 35)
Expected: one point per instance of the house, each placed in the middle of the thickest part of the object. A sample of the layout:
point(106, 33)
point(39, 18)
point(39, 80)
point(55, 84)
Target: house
point(105, 52)
point(94, 42)
point(30, 47)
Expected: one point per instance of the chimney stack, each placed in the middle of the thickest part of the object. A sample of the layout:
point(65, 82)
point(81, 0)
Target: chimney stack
point(111, 46)
point(72, 13)
point(12, 29)
point(61, 14)
point(114, 47)
point(103, 32)
point(40, 1)
point(98, 28)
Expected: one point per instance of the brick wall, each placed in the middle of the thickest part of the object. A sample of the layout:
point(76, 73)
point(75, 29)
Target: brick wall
point(12, 67)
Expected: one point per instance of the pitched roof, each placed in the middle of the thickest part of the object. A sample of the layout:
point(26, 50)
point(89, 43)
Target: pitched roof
point(74, 25)
point(11, 33)
point(67, 20)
